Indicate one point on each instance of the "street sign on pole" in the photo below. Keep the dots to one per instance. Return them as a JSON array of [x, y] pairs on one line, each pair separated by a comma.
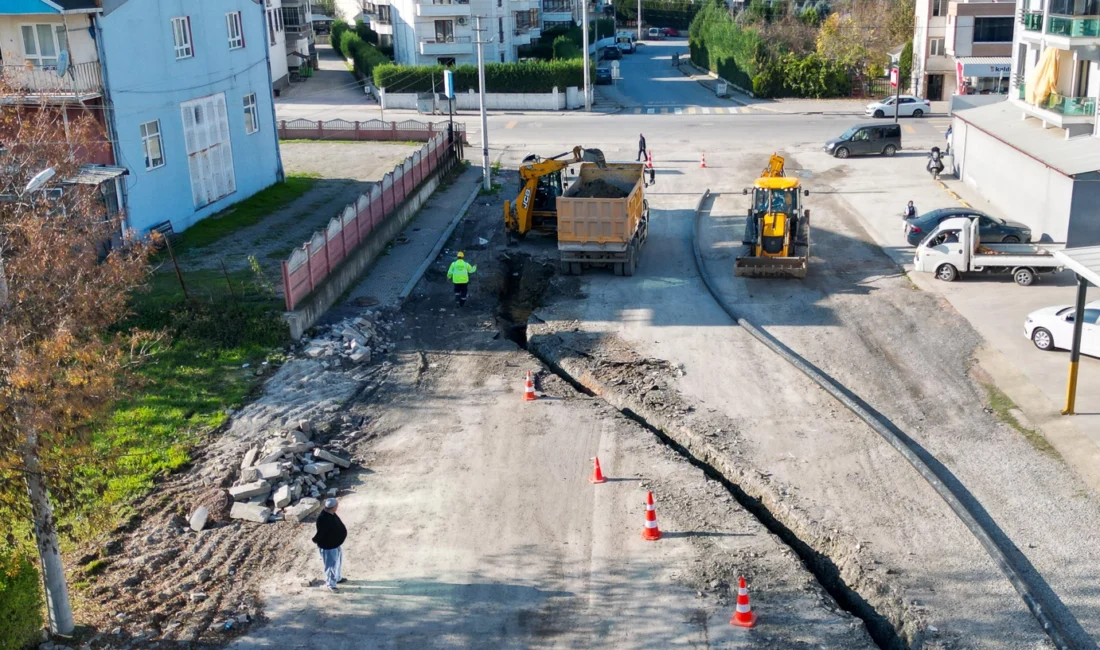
[[894, 77], [894, 81], [449, 84]]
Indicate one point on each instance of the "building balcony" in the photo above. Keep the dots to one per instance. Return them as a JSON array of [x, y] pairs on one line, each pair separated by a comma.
[[1059, 110], [83, 81], [1032, 21], [453, 45], [1073, 26], [442, 9]]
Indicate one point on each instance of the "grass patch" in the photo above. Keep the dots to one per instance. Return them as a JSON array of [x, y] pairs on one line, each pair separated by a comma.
[[96, 567], [493, 190], [248, 212], [1003, 406]]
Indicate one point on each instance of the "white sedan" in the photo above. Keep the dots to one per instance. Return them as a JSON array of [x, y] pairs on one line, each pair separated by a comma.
[[1051, 328], [908, 106]]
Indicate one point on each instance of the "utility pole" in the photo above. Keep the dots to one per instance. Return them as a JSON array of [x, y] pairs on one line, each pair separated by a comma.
[[639, 20], [584, 39], [486, 182]]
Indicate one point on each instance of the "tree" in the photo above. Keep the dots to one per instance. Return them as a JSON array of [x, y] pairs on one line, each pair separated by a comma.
[[68, 275], [564, 48], [326, 7]]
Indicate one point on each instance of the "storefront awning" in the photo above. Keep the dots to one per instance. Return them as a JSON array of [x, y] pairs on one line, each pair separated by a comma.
[[96, 174], [983, 66]]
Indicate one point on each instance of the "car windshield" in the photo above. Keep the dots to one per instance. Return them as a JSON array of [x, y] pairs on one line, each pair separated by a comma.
[[847, 135], [887, 101]]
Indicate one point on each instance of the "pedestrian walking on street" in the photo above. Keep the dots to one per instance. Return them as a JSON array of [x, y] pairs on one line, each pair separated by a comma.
[[641, 147], [330, 536], [910, 211], [459, 274]]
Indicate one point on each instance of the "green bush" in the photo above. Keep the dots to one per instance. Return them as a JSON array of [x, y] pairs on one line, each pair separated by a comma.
[[20, 601], [364, 32], [807, 76], [564, 49], [339, 28], [364, 57], [723, 47], [524, 77]]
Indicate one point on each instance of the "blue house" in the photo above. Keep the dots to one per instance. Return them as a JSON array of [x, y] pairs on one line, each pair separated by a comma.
[[189, 88], [181, 87]]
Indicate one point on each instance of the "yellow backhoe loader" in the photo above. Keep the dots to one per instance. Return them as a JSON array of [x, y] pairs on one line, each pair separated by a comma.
[[777, 233], [535, 208]]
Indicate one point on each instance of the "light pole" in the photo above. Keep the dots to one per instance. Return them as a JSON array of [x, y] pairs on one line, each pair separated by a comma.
[[639, 20], [487, 184], [584, 40]]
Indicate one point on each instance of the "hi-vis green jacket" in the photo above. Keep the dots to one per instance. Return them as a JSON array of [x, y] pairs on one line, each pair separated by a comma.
[[460, 271]]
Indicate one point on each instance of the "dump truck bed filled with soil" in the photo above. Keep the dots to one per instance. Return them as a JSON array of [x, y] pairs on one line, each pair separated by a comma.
[[602, 218]]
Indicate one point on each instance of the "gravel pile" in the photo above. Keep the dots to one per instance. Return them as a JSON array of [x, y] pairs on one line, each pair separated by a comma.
[[351, 342], [600, 189]]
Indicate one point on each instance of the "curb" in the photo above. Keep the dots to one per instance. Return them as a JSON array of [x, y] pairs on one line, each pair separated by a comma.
[[423, 268], [954, 195]]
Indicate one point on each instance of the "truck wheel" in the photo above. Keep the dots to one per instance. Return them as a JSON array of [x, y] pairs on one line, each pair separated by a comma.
[[1023, 277], [575, 268], [631, 262], [617, 268], [1042, 339], [947, 273]]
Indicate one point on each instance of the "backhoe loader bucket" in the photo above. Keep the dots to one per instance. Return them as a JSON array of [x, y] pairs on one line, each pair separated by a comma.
[[770, 267]]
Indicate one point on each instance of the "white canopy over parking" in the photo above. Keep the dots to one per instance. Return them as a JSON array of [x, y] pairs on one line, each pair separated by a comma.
[[1085, 262]]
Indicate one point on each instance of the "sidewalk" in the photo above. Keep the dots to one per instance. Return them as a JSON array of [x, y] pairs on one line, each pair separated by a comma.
[[993, 305], [383, 282]]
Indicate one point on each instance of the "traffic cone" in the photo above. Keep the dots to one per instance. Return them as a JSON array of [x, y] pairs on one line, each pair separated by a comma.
[[703, 162], [529, 389], [597, 475], [650, 532], [743, 616], [649, 159]]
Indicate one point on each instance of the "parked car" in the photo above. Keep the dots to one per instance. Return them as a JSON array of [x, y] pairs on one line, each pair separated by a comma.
[[991, 230], [866, 138], [669, 32], [908, 106], [603, 76], [611, 53], [625, 45], [655, 34], [1051, 328]]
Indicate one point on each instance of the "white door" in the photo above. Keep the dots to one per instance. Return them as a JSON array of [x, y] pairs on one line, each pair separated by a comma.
[[1090, 334], [209, 150]]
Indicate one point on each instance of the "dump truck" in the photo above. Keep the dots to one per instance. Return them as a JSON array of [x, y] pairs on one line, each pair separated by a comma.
[[777, 232], [603, 218], [954, 248]]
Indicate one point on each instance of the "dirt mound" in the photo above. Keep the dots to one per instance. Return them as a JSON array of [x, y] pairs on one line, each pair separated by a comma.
[[600, 189]]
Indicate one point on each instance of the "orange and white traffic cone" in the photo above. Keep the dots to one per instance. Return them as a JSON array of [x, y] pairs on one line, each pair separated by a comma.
[[650, 532], [649, 159], [597, 475], [529, 389], [703, 162], [743, 616]]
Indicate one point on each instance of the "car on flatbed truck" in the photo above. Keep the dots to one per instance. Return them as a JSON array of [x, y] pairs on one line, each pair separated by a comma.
[[955, 247]]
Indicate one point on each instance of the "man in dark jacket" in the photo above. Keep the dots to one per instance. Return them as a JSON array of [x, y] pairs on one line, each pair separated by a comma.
[[330, 536], [641, 147]]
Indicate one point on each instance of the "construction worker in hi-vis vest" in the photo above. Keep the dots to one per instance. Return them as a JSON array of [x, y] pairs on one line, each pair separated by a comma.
[[459, 274]]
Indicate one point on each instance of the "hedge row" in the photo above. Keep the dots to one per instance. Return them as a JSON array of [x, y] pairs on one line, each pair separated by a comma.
[[364, 56], [525, 77], [810, 76], [721, 46], [20, 601]]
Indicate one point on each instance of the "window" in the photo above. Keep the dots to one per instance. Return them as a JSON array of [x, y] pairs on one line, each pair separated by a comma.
[[939, 7], [43, 43], [446, 61], [181, 37], [935, 47], [209, 155], [251, 115], [993, 30], [235, 30], [500, 30], [444, 31], [151, 145], [271, 25], [384, 15]]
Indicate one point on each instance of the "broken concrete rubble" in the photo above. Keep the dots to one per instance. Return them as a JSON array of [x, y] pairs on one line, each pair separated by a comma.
[[303, 509], [318, 469], [332, 458], [249, 490], [250, 512], [199, 518]]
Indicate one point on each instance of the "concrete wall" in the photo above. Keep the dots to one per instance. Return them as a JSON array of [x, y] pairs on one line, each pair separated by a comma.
[[1084, 224], [277, 52], [147, 82], [314, 306], [82, 47], [963, 102], [555, 101], [1019, 186]]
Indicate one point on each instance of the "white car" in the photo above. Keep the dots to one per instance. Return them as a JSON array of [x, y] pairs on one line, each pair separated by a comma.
[[1051, 328], [908, 106]]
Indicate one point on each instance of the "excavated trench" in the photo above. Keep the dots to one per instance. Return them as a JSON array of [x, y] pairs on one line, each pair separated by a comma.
[[524, 283]]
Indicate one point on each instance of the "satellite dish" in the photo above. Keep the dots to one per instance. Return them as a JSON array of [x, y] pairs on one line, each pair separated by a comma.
[[40, 179], [62, 63]]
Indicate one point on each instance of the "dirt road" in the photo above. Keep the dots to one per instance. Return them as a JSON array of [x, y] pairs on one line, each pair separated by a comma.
[[831, 479], [474, 524]]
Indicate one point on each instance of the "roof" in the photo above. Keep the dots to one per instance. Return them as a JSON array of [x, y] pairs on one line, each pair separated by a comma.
[[781, 183], [75, 5], [1001, 120], [988, 60], [96, 174], [29, 7], [1085, 262]]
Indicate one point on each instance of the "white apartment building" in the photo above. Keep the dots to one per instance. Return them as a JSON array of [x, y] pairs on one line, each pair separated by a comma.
[[442, 31], [1036, 156], [961, 47]]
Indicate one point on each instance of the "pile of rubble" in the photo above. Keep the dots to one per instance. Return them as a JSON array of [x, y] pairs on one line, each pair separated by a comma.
[[287, 478], [352, 341]]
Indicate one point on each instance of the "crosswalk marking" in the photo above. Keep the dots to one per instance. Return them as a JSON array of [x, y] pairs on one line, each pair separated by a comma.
[[691, 111], [511, 125], [679, 111], [706, 111], [650, 111], [908, 128]]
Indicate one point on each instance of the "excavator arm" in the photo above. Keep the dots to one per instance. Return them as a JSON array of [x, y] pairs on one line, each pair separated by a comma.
[[774, 168], [517, 214]]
